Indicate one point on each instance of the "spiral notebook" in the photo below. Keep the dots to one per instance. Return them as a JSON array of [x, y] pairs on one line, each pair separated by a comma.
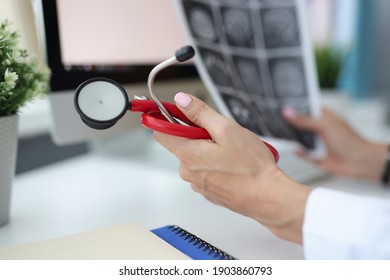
[[190, 245], [129, 241]]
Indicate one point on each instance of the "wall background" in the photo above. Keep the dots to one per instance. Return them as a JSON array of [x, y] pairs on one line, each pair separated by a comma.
[[20, 13]]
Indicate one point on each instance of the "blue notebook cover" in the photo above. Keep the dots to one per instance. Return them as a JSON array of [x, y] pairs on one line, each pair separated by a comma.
[[189, 244]]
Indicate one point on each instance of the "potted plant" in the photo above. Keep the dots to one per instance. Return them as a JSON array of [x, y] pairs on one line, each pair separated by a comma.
[[329, 63], [22, 79]]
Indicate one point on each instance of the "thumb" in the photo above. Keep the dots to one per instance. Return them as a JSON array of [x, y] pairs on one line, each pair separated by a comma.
[[301, 121], [198, 112]]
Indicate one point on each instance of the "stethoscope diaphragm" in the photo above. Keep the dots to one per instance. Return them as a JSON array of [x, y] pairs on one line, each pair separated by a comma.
[[101, 102]]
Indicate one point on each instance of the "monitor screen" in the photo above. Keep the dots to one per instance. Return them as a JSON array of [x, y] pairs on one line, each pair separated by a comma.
[[119, 39]]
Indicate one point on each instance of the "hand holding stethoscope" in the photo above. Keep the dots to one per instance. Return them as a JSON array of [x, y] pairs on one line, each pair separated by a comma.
[[101, 102]]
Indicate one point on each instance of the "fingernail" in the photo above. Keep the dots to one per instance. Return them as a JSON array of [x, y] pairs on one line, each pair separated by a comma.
[[289, 112], [182, 99]]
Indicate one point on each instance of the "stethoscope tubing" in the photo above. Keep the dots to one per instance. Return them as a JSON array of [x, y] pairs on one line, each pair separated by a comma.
[[154, 120]]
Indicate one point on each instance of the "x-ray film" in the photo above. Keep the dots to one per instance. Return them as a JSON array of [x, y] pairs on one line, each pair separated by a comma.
[[255, 58]]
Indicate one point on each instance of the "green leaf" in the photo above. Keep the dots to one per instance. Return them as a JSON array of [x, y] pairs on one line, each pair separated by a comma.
[[22, 79]]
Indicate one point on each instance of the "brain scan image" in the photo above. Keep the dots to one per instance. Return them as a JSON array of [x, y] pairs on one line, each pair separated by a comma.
[[217, 67], [288, 79], [237, 26], [280, 27], [250, 76], [202, 24]]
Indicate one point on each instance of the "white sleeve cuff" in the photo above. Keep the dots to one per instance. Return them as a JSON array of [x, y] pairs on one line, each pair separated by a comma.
[[340, 225]]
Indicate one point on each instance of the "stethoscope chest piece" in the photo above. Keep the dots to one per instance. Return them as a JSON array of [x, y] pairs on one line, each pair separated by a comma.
[[101, 102]]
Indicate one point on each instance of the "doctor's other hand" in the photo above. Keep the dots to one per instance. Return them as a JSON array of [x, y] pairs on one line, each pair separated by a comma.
[[236, 170], [348, 154]]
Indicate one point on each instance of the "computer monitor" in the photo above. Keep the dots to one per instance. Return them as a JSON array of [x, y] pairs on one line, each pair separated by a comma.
[[122, 40]]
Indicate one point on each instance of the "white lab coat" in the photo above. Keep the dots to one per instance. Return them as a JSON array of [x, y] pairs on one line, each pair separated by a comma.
[[340, 225]]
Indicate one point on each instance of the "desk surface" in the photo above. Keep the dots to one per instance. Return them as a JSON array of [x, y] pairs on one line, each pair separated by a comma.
[[140, 185], [98, 190]]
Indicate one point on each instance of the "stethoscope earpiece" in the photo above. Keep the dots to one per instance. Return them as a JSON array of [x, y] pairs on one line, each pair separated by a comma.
[[185, 53]]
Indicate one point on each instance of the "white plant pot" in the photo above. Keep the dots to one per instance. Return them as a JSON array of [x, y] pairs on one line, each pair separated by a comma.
[[8, 150]]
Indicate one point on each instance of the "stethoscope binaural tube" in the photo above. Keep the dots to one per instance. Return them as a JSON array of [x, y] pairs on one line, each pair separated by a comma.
[[181, 55]]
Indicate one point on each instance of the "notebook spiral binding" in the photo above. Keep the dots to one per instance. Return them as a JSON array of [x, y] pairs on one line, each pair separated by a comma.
[[200, 243]]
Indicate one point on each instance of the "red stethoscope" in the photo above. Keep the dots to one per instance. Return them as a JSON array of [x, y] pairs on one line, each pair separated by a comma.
[[101, 102]]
